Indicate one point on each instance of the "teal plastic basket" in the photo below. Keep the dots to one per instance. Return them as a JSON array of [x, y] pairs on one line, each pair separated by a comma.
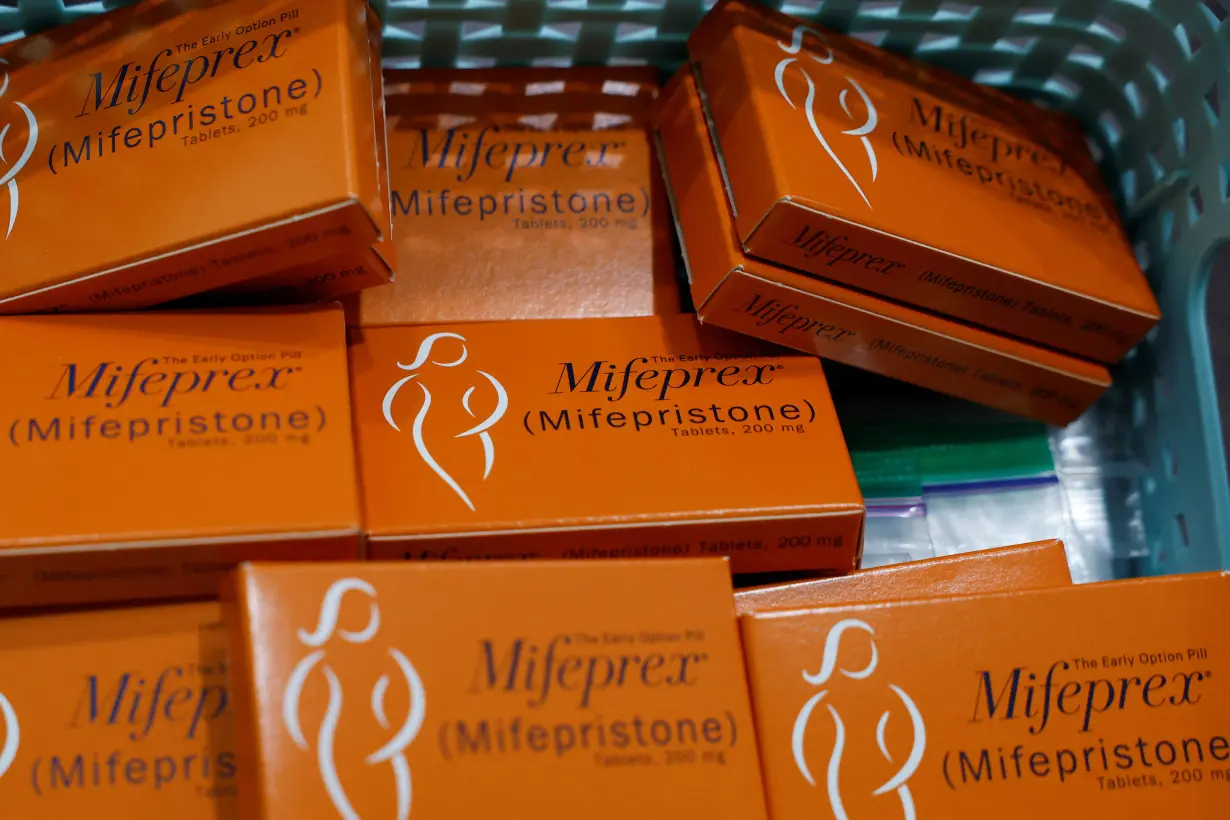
[[1150, 81]]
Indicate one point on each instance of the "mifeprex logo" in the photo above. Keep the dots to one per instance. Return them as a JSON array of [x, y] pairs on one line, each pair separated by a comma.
[[10, 734], [393, 752], [825, 57], [420, 374], [18, 162], [828, 665]]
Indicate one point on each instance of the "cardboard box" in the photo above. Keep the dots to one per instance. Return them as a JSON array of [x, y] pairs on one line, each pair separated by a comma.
[[577, 689], [523, 194], [761, 299], [318, 279], [145, 453], [117, 713], [850, 163], [1084, 701], [600, 438], [186, 145], [1039, 565]]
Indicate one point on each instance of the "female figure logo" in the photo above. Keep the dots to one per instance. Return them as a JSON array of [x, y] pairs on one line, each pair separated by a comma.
[[480, 429], [829, 665], [10, 730], [9, 178], [392, 752], [871, 120]]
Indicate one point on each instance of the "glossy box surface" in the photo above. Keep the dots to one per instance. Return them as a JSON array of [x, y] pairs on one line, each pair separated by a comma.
[[1027, 566], [852, 164], [168, 148], [117, 713], [1024, 704], [147, 452], [523, 194], [734, 290], [600, 438], [462, 690]]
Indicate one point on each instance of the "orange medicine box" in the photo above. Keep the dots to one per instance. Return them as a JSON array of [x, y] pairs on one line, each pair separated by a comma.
[[1032, 703], [850, 163], [1037, 565], [760, 299], [600, 438], [574, 689], [117, 713], [144, 453], [523, 194], [241, 137]]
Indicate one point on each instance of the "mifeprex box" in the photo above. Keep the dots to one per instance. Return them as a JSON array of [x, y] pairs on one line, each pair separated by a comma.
[[558, 689], [1022, 704], [122, 713], [859, 166], [734, 290], [600, 438], [176, 146], [1027, 566], [523, 194], [145, 453]]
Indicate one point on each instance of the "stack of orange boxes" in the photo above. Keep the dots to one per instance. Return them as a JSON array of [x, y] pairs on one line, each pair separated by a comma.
[[493, 504], [847, 202]]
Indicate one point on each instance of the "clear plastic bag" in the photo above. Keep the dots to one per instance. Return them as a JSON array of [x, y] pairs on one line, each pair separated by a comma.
[[943, 477], [896, 532], [1103, 478], [977, 515]]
